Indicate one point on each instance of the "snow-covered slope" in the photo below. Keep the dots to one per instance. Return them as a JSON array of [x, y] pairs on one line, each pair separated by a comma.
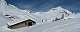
[[70, 25], [54, 13], [14, 12], [55, 20]]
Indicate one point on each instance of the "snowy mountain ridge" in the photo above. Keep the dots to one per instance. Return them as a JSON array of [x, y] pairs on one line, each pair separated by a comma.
[[53, 21], [53, 13], [39, 17], [16, 13]]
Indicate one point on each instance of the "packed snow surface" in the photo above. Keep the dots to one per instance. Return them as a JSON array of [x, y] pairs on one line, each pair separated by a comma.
[[55, 20]]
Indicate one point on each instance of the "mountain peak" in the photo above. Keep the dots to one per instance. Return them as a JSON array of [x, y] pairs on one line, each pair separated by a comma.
[[59, 9]]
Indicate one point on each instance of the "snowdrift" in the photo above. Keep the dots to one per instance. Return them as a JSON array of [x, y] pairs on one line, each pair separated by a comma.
[[55, 20]]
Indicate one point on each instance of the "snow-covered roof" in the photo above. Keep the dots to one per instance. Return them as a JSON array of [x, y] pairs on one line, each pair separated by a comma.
[[15, 22]]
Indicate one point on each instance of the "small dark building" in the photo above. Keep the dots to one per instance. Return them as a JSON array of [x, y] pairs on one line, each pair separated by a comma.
[[25, 23], [7, 15]]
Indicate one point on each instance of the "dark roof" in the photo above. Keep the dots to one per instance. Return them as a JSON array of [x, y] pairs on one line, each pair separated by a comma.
[[7, 15], [24, 21]]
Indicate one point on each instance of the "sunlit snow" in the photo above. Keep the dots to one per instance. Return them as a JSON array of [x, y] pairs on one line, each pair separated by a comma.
[[55, 20]]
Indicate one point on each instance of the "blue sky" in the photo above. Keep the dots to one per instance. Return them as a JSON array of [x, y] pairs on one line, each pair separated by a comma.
[[45, 5]]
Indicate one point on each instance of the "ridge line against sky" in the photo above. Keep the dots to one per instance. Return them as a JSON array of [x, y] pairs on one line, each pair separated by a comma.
[[45, 5]]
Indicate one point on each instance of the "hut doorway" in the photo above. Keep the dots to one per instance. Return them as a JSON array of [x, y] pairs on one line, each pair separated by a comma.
[[29, 23]]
